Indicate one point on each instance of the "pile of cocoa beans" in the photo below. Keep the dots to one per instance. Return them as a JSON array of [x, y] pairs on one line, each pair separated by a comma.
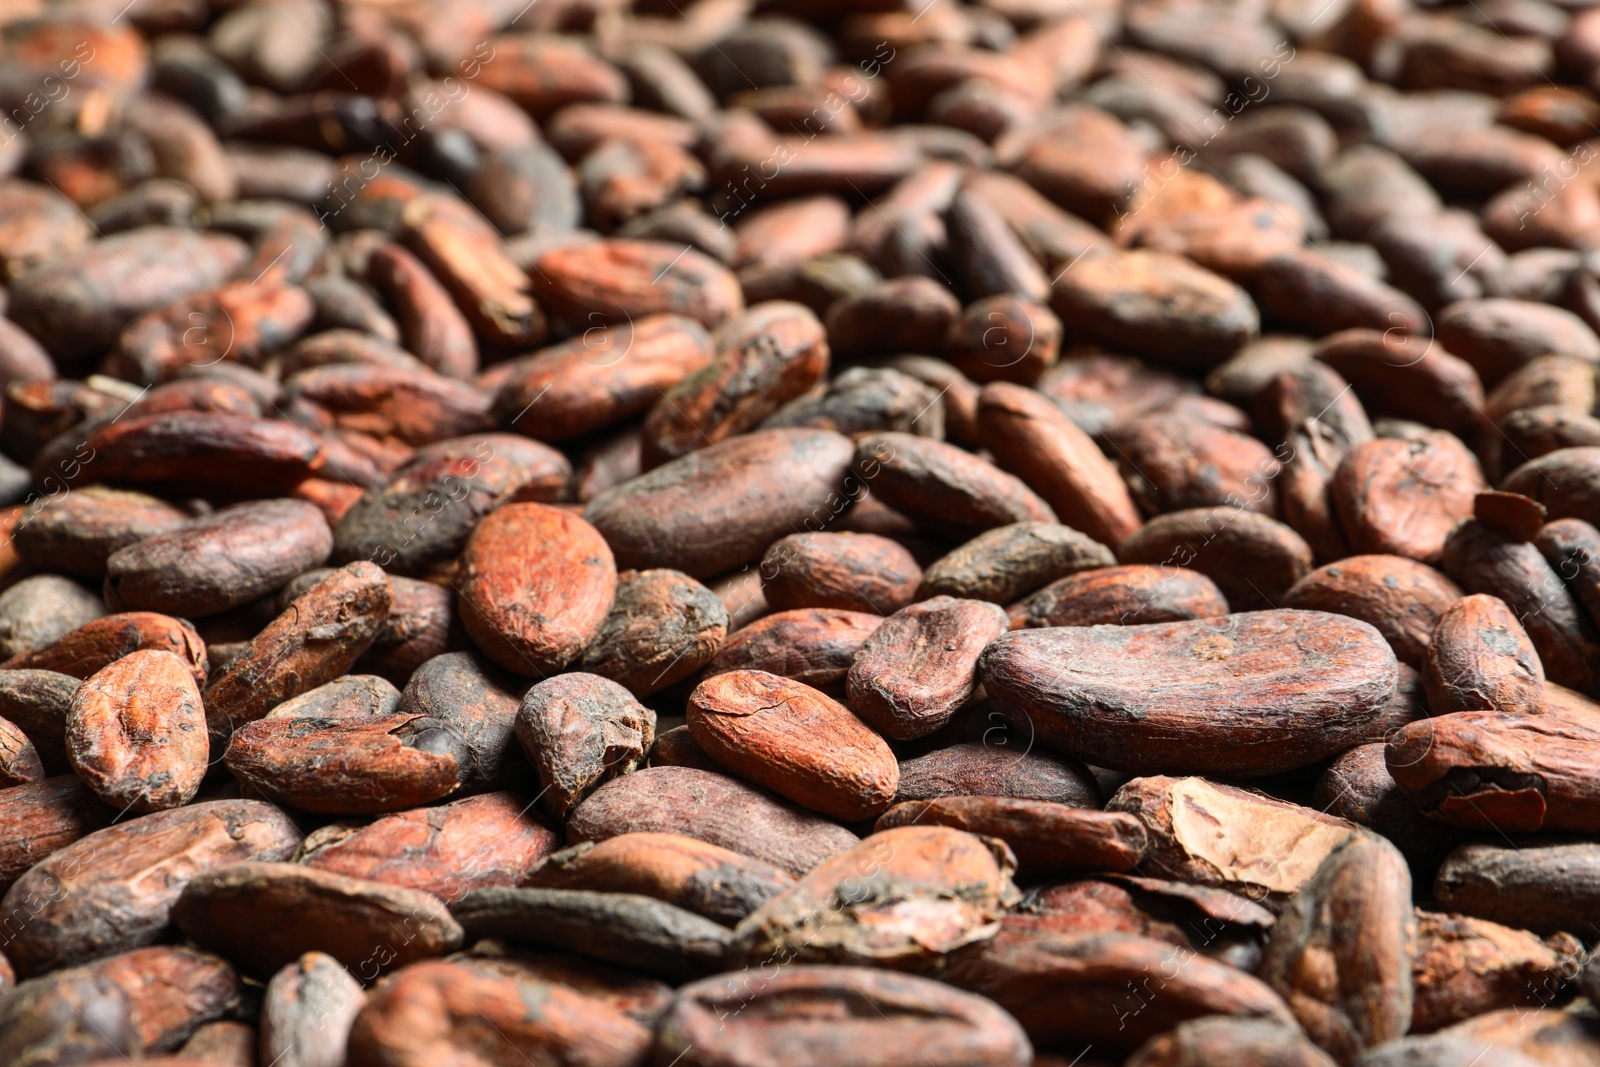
[[800, 533]]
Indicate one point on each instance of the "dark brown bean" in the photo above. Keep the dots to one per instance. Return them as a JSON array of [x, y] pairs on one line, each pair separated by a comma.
[[1254, 560], [1498, 336], [846, 571], [114, 889], [77, 532], [694, 875], [865, 400], [713, 510], [1242, 1041], [997, 770], [1044, 836], [264, 916], [1033, 438], [637, 932], [711, 807], [920, 666], [1572, 548], [36, 702], [1127, 299], [77, 303], [765, 357], [663, 627], [1406, 377], [1487, 770], [427, 509], [44, 817], [42, 609], [580, 731], [19, 760], [1544, 885], [1173, 462], [1355, 917], [943, 487], [353, 696], [464, 693], [1483, 560], [601, 377], [1066, 989], [219, 562], [1272, 690], [207, 450], [811, 645], [615, 281], [909, 314], [1005, 339], [1009, 561]]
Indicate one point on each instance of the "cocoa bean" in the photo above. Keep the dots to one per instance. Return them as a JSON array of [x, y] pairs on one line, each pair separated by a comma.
[[264, 916], [1254, 693], [580, 731]]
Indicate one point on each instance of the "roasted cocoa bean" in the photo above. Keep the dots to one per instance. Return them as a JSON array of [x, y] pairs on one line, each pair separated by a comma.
[[634, 931], [848, 571], [136, 733], [580, 731], [663, 627], [1480, 659], [921, 665], [715, 509], [1402, 598], [263, 916], [794, 740], [451, 1001], [921, 871], [219, 562], [811, 645], [1042, 835], [78, 532], [1123, 596], [1007, 562], [1254, 560], [850, 1015], [1402, 497], [93, 646], [446, 851], [1353, 919], [710, 807], [114, 889], [364, 766], [1271, 690], [321, 634], [1231, 838], [307, 1011]]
